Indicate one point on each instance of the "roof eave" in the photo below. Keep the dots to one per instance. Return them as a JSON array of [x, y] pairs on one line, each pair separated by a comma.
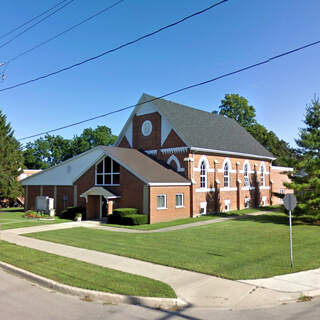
[[232, 153]]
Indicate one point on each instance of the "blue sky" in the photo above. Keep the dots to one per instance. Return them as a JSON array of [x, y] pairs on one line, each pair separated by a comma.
[[233, 35]]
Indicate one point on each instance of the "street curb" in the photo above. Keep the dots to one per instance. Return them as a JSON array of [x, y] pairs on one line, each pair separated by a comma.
[[91, 295]]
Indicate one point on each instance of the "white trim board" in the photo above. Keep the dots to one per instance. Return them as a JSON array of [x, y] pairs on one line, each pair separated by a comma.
[[230, 153]]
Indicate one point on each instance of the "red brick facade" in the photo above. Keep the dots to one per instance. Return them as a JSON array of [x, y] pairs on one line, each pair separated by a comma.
[[220, 190], [171, 212]]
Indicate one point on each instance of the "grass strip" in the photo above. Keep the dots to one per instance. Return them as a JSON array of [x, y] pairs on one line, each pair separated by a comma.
[[16, 214], [81, 274], [248, 248]]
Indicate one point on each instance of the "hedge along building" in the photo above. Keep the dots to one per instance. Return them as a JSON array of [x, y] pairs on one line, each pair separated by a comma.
[[170, 161]]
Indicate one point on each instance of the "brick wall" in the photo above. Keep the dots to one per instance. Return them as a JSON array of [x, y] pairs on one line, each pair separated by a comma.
[[171, 213], [84, 183], [279, 177], [64, 198], [153, 141], [33, 192], [235, 193], [124, 143], [130, 190]]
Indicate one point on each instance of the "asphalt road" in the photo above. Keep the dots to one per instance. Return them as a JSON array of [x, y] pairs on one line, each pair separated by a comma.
[[20, 299]]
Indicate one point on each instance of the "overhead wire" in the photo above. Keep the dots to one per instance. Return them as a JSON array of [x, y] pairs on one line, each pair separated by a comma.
[[30, 20], [179, 90], [148, 35], [35, 24], [65, 31]]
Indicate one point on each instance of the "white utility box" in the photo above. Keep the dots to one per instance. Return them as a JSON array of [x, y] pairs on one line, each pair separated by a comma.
[[45, 204]]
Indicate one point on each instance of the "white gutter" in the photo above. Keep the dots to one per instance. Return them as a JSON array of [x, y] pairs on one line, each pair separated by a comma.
[[155, 184], [231, 153]]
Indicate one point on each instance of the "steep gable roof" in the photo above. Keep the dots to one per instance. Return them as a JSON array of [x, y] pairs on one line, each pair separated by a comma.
[[205, 130]]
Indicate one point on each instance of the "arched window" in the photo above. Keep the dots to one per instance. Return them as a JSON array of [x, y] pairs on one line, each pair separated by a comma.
[[262, 179], [226, 177], [246, 175], [203, 175]]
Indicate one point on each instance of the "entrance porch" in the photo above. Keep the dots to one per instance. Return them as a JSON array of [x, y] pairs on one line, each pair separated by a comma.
[[99, 202]]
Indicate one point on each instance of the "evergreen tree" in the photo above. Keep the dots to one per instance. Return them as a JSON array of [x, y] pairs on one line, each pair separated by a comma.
[[306, 180], [11, 161]]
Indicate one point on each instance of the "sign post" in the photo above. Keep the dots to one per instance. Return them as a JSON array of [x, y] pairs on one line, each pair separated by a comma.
[[290, 202]]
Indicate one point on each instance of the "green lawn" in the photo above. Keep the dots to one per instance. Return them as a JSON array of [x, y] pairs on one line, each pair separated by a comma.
[[178, 222], [248, 248], [11, 218], [81, 274]]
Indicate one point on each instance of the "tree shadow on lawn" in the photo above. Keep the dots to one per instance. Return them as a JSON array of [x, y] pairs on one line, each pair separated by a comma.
[[280, 218], [9, 210]]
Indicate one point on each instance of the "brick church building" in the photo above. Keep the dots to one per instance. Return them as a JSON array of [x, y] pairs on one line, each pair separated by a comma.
[[170, 161]]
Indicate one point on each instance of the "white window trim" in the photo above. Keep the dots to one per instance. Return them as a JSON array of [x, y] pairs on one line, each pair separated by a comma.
[[264, 188], [180, 194], [203, 205], [165, 200], [263, 172], [176, 160], [228, 189], [205, 189], [226, 203], [224, 176], [206, 174], [264, 201], [246, 163], [247, 202], [247, 188], [105, 173]]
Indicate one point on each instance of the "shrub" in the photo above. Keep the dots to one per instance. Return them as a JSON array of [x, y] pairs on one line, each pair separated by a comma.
[[70, 213], [126, 211], [135, 219], [120, 213], [114, 219]]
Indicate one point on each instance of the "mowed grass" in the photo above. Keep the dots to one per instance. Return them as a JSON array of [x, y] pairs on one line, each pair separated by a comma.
[[178, 222], [81, 274], [11, 218], [248, 248]]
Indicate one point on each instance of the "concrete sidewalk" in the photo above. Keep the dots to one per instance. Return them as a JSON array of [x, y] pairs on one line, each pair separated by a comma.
[[195, 288], [99, 225]]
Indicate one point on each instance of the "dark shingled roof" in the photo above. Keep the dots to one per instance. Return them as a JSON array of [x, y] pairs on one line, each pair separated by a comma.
[[203, 129], [143, 166]]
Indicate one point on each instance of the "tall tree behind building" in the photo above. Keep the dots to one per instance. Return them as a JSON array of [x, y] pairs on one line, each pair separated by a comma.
[[237, 107], [11, 161]]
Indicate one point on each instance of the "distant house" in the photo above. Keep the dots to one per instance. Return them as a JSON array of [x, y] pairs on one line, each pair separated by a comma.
[[170, 161]]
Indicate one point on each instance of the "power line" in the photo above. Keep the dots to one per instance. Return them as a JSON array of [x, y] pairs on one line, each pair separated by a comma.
[[32, 19], [65, 31], [35, 24], [116, 48], [180, 90]]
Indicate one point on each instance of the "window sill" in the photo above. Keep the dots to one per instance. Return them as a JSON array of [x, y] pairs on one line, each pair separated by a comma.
[[179, 207], [107, 185], [162, 208]]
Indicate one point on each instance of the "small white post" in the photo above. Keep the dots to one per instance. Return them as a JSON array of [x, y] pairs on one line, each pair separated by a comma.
[[290, 235]]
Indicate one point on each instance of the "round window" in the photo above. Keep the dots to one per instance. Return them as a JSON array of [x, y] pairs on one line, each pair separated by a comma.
[[146, 128]]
